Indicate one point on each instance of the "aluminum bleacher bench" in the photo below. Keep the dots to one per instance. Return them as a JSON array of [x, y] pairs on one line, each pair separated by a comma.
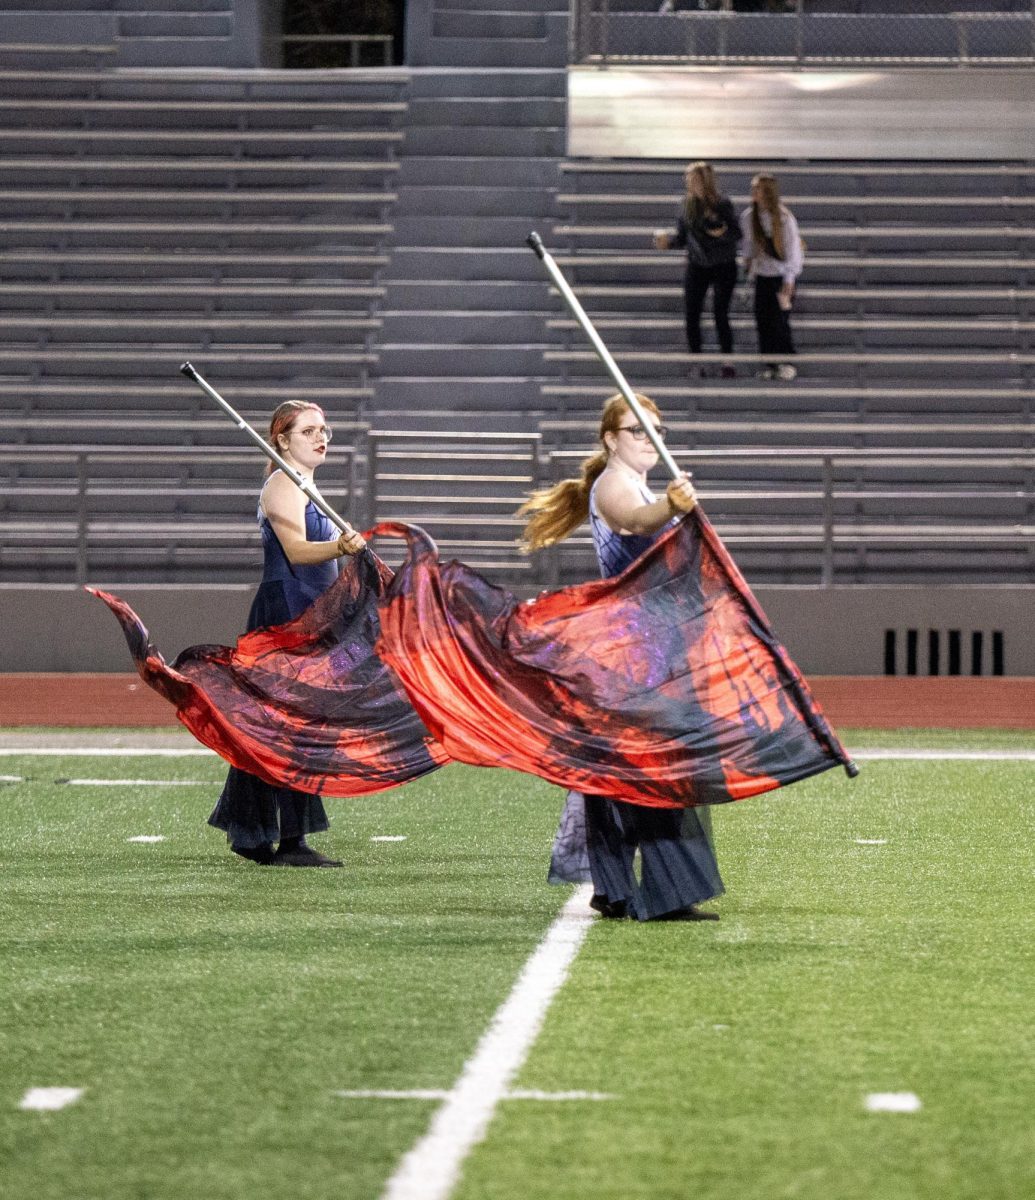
[[813, 233], [179, 166], [219, 196], [799, 203], [199, 138]]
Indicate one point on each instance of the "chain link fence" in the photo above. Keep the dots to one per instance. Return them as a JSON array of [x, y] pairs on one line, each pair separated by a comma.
[[805, 32]]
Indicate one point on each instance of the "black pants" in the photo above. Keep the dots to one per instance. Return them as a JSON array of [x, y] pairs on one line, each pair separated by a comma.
[[722, 279], [773, 322]]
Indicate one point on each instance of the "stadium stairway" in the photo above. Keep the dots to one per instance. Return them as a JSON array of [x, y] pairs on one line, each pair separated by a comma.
[[464, 322]]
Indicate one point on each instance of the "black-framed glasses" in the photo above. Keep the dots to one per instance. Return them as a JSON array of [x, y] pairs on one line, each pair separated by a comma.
[[316, 433], [640, 434]]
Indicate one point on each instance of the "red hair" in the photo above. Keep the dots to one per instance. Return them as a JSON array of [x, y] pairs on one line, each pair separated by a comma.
[[283, 421]]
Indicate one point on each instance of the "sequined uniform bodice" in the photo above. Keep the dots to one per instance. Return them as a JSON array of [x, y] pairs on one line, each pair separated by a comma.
[[615, 551]]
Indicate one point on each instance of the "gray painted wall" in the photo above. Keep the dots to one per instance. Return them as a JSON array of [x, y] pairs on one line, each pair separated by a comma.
[[829, 631]]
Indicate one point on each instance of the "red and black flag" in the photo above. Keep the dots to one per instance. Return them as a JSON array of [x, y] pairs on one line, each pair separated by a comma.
[[308, 704], [664, 686]]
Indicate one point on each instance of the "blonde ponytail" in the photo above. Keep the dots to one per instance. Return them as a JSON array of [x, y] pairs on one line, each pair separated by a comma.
[[557, 510]]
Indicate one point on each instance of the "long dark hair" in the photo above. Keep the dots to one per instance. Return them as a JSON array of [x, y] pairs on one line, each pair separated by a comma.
[[770, 190]]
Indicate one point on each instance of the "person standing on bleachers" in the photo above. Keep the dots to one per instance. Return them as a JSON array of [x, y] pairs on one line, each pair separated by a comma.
[[300, 551], [774, 257], [710, 232]]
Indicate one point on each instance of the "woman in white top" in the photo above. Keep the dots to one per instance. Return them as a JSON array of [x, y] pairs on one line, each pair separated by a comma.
[[772, 251]]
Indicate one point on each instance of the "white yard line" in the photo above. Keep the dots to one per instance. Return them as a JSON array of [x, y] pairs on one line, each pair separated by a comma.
[[442, 1094], [897, 1102], [107, 752], [138, 782], [49, 1099], [431, 1168], [939, 755], [203, 752]]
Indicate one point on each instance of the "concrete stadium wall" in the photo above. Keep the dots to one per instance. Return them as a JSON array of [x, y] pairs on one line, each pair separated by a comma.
[[829, 631]]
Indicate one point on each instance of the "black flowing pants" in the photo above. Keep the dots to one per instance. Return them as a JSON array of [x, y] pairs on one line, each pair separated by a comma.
[[773, 322], [722, 279]]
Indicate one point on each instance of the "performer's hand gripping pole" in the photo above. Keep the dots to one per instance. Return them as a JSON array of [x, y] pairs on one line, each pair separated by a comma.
[[305, 487], [579, 313]]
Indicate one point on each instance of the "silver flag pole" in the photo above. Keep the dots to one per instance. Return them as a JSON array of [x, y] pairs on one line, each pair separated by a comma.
[[579, 313], [306, 488]]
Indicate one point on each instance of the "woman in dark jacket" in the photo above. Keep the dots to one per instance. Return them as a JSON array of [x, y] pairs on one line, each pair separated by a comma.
[[709, 230]]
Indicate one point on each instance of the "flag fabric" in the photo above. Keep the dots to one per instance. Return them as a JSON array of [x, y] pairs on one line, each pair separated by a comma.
[[663, 686], [307, 705]]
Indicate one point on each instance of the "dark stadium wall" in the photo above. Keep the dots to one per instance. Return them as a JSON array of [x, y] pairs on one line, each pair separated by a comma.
[[829, 631]]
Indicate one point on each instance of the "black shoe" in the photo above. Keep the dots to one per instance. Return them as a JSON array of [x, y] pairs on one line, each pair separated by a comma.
[[688, 914], [263, 855], [303, 856], [613, 910], [728, 371]]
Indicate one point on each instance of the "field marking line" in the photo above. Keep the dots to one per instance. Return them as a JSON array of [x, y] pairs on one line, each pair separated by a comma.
[[136, 782], [49, 1099], [897, 1102], [106, 752], [390, 837], [147, 837], [430, 1169], [876, 754], [949, 755], [443, 1094]]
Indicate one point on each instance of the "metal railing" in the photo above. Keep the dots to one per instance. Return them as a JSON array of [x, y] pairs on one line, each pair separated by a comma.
[[79, 491], [801, 33], [298, 47], [820, 504], [829, 488]]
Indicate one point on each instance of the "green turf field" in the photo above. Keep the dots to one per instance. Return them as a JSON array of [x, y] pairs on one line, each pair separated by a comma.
[[211, 1009]]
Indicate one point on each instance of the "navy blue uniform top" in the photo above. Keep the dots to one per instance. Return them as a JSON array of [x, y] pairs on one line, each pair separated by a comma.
[[615, 551], [287, 589]]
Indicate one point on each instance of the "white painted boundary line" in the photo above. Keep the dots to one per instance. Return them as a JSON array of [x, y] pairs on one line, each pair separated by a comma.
[[204, 752], [442, 1094], [136, 782], [431, 1168], [49, 1099], [897, 1102], [949, 755], [106, 752]]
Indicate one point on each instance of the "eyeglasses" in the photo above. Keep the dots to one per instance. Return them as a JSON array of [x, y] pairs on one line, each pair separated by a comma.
[[316, 433], [640, 434]]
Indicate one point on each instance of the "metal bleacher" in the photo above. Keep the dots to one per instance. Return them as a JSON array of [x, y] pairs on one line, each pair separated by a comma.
[[236, 220], [914, 326], [357, 238]]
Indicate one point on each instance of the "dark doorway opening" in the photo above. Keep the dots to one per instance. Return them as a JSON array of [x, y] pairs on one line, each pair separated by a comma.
[[343, 33]]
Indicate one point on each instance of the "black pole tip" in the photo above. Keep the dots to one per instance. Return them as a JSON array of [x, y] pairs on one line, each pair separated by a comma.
[[851, 770], [188, 370], [536, 243]]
